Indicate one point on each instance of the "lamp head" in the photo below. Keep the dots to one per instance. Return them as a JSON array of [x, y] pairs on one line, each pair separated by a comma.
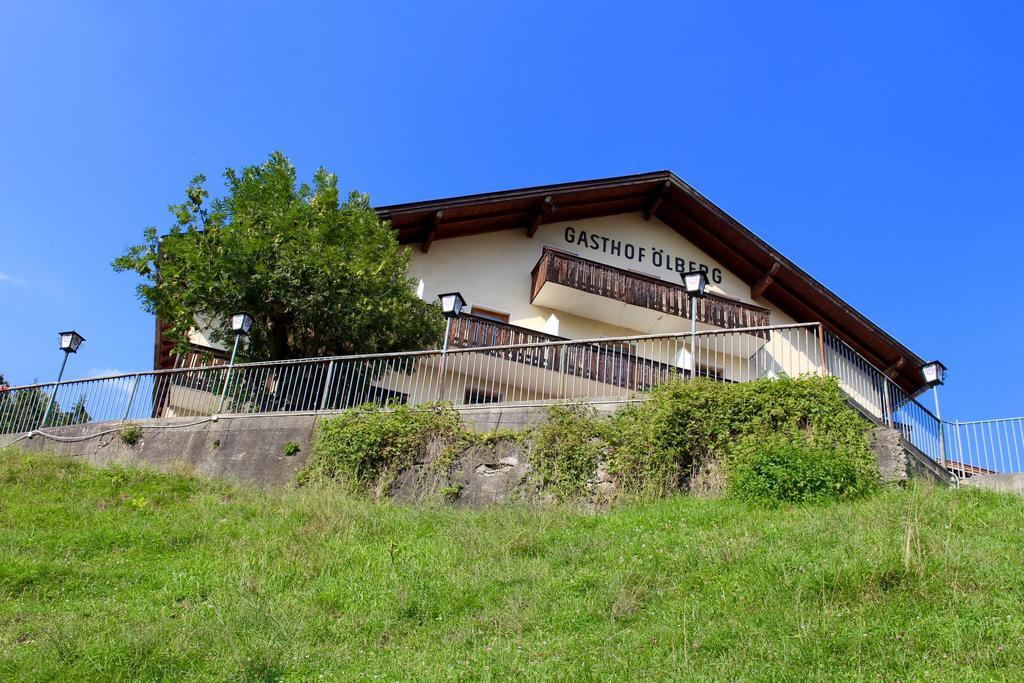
[[452, 304], [241, 323], [934, 373], [70, 341], [695, 282]]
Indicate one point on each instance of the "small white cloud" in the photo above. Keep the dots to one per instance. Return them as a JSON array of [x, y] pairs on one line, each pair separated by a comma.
[[120, 386], [103, 372], [10, 279]]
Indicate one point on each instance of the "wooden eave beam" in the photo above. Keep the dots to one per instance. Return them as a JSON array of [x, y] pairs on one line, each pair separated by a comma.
[[659, 197], [431, 232], [710, 242], [757, 291], [893, 371], [546, 207]]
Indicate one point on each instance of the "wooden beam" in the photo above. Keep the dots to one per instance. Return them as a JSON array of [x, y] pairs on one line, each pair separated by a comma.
[[546, 207], [766, 280], [708, 241], [894, 370], [431, 232], [659, 197]]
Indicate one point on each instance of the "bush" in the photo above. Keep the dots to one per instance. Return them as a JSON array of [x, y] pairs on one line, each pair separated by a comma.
[[779, 440], [658, 444], [130, 435], [450, 493], [365, 448], [688, 429], [566, 449], [772, 469]]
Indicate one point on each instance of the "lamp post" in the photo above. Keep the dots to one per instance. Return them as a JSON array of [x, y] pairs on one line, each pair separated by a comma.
[[695, 283], [452, 304], [69, 343], [241, 323], [934, 374]]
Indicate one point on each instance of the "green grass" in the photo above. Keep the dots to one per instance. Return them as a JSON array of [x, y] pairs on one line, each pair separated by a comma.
[[123, 574]]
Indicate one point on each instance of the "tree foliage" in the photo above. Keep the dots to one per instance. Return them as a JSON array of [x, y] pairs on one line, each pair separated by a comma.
[[319, 276]]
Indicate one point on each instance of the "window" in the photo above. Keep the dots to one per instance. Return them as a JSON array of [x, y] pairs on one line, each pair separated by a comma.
[[486, 334], [478, 395], [481, 312]]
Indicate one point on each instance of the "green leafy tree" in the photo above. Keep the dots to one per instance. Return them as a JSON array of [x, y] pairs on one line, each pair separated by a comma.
[[319, 276]]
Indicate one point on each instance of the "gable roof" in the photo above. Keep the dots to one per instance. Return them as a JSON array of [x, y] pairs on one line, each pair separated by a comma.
[[663, 195]]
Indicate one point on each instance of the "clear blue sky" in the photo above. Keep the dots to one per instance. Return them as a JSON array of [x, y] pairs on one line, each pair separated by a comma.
[[878, 145]]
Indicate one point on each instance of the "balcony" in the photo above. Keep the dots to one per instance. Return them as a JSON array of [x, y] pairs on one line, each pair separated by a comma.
[[623, 298]]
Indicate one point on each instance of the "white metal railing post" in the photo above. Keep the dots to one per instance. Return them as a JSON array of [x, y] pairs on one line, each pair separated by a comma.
[[444, 359], [959, 448], [53, 396], [821, 349], [562, 360], [327, 385], [227, 376], [131, 397], [942, 437], [887, 419]]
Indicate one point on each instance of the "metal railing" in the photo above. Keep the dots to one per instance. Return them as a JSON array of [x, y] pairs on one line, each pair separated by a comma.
[[985, 446], [537, 370], [601, 369], [883, 399]]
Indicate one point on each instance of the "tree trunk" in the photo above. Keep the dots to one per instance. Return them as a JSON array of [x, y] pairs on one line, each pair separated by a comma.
[[277, 338]]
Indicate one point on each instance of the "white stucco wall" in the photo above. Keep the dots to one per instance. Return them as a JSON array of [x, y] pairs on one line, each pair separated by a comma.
[[493, 270]]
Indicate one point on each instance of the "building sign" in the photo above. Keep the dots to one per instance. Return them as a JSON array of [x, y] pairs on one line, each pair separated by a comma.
[[655, 256]]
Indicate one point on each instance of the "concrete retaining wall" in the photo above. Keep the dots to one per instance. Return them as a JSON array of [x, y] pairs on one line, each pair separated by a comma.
[[1005, 483], [243, 448], [252, 450]]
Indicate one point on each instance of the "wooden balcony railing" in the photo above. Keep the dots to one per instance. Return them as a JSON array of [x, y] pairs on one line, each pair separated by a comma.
[[560, 268], [607, 364]]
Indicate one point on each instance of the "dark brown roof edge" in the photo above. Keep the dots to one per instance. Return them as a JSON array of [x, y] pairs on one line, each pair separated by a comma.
[[536, 191]]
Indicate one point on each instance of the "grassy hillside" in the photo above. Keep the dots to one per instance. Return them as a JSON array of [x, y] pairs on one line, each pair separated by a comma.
[[118, 574]]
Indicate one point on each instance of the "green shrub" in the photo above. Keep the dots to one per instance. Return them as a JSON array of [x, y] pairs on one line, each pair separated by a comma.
[[657, 444], [365, 448], [793, 468], [450, 493], [566, 449], [130, 435], [654, 447], [291, 448]]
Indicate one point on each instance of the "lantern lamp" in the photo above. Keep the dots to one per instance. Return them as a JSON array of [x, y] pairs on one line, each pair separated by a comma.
[[452, 304], [695, 282], [70, 341], [241, 323], [934, 373]]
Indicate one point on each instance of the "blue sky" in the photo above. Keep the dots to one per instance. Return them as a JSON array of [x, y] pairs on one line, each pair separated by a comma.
[[878, 145]]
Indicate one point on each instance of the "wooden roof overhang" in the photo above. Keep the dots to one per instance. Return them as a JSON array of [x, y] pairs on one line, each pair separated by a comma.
[[663, 195]]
